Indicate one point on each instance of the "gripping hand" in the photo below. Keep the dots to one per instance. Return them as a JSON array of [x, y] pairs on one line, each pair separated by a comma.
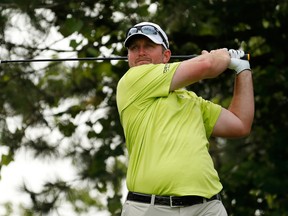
[[236, 63]]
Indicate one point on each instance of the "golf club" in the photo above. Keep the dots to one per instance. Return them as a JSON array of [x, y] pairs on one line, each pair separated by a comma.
[[183, 57]]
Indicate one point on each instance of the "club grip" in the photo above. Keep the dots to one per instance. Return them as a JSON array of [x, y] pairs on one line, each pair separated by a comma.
[[246, 57]]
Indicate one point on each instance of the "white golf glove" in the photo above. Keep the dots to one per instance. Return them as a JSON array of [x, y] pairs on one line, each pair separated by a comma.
[[236, 63]]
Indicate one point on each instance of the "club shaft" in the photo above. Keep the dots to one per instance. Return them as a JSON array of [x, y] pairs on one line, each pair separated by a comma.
[[179, 57], [87, 59]]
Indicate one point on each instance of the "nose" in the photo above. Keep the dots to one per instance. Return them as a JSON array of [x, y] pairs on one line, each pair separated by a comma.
[[142, 50]]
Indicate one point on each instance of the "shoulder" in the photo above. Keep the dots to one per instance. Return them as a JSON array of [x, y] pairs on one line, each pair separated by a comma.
[[164, 68], [148, 72]]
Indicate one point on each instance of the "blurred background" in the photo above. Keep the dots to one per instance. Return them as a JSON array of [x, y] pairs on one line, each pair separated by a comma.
[[62, 149]]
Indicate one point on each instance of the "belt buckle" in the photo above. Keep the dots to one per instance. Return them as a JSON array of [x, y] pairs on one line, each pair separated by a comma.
[[172, 205]]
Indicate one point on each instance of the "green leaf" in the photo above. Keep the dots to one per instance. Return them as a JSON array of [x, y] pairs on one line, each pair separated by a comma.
[[70, 26], [6, 159]]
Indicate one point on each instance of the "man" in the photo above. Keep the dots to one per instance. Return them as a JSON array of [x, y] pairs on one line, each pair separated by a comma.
[[167, 128]]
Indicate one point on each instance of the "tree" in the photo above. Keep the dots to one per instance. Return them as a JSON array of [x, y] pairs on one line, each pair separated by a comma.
[[51, 100]]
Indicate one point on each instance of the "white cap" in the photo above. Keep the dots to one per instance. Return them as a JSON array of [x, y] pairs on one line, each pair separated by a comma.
[[156, 38]]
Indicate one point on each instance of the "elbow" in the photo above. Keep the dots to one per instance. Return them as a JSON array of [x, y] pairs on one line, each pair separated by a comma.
[[245, 131], [245, 134], [247, 126], [240, 132]]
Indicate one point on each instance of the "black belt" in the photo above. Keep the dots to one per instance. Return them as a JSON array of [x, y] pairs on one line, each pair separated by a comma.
[[172, 201]]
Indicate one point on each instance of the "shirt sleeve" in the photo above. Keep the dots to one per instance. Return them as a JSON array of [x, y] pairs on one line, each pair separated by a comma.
[[210, 113]]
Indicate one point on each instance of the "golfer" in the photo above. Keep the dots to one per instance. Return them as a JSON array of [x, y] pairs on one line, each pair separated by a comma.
[[167, 128]]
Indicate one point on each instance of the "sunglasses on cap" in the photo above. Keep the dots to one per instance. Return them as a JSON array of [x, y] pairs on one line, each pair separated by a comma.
[[147, 30]]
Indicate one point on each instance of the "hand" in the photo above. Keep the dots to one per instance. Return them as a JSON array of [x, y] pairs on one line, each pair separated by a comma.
[[221, 56], [236, 63]]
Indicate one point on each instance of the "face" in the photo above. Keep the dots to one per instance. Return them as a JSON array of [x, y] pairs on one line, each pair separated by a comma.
[[143, 51]]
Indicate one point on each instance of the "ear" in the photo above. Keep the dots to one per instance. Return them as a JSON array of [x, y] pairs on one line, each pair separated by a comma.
[[166, 55]]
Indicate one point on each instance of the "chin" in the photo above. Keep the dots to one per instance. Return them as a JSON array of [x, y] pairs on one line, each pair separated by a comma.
[[142, 63]]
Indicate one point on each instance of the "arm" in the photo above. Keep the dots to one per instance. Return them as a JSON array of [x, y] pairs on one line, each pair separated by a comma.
[[237, 120], [205, 66]]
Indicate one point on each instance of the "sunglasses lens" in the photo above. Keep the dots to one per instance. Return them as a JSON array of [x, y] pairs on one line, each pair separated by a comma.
[[149, 30], [132, 31]]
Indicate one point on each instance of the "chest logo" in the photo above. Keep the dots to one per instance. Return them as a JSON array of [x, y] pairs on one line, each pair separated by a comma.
[[166, 68]]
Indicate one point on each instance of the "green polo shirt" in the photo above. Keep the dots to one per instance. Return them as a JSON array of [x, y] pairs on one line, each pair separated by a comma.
[[166, 134]]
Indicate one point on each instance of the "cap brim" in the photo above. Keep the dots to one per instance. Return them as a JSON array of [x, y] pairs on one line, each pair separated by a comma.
[[154, 38]]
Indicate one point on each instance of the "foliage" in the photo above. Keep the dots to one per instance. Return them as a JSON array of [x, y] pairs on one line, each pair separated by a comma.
[[70, 111]]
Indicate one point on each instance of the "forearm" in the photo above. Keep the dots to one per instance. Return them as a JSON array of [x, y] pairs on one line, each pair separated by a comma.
[[242, 104], [205, 66]]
